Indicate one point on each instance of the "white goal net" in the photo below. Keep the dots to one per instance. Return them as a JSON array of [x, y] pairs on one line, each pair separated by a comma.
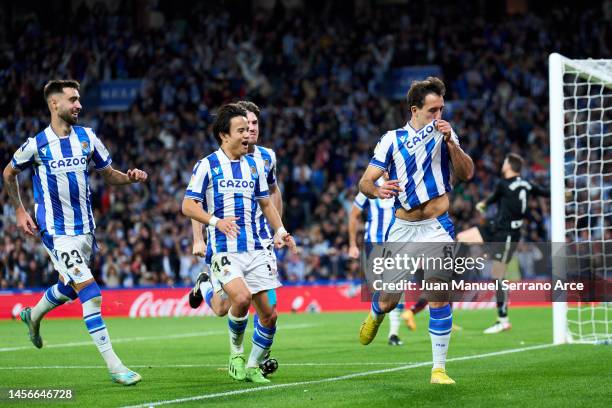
[[581, 187]]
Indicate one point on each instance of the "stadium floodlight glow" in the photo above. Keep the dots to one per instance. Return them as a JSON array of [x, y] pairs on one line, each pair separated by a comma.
[[580, 97]]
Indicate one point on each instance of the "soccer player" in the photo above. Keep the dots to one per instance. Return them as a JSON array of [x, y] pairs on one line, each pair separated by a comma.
[[59, 157], [418, 158], [380, 215], [224, 192], [207, 286], [512, 196]]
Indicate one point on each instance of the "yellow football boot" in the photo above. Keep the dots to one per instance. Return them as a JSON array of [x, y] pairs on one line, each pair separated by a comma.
[[439, 376], [368, 330]]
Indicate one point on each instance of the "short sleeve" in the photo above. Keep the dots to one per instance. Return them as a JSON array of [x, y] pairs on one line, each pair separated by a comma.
[[24, 156], [100, 154], [261, 184], [383, 153], [360, 200], [200, 180]]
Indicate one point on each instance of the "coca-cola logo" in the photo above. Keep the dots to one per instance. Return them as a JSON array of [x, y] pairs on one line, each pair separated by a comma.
[[145, 305]]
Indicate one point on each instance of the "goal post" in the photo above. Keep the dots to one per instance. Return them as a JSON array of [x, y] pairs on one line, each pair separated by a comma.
[[580, 97]]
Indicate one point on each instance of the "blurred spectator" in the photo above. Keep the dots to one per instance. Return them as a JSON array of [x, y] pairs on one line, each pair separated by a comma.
[[316, 74]]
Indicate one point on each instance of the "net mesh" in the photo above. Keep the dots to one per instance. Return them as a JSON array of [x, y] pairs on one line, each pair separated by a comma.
[[587, 102]]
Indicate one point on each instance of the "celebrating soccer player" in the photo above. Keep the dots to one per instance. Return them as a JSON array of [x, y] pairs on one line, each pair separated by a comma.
[[224, 192], [511, 195], [207, 287], [418, 158], [59, 157]]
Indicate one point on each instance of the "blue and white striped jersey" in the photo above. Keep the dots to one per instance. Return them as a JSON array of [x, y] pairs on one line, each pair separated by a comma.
[[229, 188], [269, 160], [379, 217], [62, 202], [419, 159]]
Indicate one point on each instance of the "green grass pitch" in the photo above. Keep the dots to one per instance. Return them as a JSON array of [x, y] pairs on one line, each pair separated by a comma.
[[321, 362]]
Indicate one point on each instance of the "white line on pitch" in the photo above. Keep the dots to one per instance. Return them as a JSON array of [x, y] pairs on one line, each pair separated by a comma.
[[333, 379], [221, 365], [145, 338]]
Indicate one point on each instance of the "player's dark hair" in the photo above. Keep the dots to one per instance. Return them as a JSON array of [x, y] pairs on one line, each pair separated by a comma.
[[515, 161], [224, 118], [249, 106], [57, 86], [420, 89]]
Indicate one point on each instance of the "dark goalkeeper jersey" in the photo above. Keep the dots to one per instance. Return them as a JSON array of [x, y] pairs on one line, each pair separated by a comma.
[[512, 198]]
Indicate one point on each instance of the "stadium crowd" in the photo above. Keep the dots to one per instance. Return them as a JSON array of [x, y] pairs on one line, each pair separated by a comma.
[[317, 74]]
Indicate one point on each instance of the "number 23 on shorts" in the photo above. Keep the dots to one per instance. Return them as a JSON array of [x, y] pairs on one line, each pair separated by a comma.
[[70, 259]]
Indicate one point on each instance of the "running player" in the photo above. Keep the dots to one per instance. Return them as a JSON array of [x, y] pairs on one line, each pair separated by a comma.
[[207, 287], [418, 158], [59, 157], [226, 188]]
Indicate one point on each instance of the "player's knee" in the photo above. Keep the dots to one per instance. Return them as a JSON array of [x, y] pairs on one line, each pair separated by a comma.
[[91, 293], [221, 308], [386, 307], [242, 300], [268, 320]]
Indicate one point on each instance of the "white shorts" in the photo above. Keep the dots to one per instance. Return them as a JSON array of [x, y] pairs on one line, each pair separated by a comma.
[[433, 230], [71, 255], [407, 236], [216, 285], [257, 268]]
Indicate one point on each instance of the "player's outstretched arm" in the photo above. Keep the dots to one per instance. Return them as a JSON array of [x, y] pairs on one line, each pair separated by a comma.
[[11, 186], [193, 209], [367, 186], [115, 177], [199, 244], [281, 236], [352, 231]]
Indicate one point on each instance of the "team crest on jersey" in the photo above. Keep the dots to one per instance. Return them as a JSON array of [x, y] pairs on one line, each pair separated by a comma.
[[267, 163], [84, 145], [253, 171]]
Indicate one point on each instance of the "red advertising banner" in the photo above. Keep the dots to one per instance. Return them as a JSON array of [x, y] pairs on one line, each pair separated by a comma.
[[169, 302]]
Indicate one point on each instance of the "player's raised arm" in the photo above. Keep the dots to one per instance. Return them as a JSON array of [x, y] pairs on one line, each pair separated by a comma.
[[493, 198], [463, 166]]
